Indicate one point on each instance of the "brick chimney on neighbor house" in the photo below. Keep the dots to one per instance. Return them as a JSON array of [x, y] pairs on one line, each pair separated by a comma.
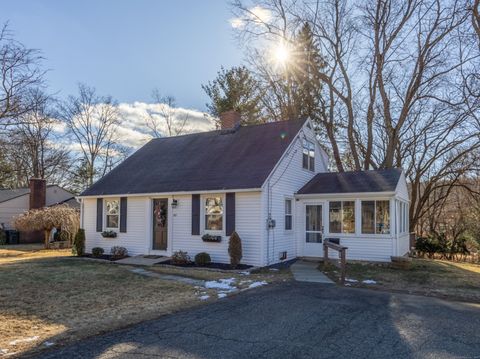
[[229, 120], [38, 193]]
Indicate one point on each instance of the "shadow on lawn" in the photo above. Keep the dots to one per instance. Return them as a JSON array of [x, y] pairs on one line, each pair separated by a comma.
[[298, 320]]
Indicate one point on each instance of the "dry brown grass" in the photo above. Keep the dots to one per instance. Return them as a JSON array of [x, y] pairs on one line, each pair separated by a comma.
[[13, 253], [444, 279], [59, 299]]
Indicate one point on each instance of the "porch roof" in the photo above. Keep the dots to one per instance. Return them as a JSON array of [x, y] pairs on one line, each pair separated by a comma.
[[384, 180]]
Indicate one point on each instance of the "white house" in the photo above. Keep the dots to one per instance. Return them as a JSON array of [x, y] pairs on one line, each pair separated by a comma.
[[268, 182]]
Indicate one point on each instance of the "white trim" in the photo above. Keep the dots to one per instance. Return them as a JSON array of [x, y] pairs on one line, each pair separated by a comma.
[[166, 194], [345, 195]]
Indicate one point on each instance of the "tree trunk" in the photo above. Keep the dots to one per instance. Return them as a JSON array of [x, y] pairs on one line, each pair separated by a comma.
[[47, 238]]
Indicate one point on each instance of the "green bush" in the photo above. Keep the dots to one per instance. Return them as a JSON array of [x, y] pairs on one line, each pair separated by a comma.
[[180, 257], [235, 249], [97, 251], [202, 259], [78, 248], [3, 237], [118, 252]]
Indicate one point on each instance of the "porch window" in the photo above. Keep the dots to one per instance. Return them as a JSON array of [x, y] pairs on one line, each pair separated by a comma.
[[112, 213], [342, 217], [288, 214], [308, 158], [214, 213], [376, 217]]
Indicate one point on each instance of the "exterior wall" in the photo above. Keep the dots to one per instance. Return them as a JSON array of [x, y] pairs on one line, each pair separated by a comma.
[[247, 224], [18, 205], [135, 240], [138, 238], [12, 208], [367, 247], [286, 179]]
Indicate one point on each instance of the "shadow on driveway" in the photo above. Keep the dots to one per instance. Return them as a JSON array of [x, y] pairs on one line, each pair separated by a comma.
[[298, 320]]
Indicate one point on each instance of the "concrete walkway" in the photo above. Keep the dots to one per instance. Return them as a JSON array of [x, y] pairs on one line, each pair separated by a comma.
[[304, 271], [143, 260], [175, 278]]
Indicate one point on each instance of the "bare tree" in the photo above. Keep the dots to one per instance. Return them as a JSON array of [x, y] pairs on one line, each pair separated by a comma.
[[34, 145], [93, 124], [166, 119], [395, 80], [19, 71], [476, 17]]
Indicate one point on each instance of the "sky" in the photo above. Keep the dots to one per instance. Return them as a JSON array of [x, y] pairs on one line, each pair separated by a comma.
[[126, 48]]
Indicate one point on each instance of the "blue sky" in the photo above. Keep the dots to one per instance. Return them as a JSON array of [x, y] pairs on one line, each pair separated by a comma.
[[127, 48]]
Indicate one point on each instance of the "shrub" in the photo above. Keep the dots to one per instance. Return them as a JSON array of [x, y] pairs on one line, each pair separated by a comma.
[[202, 259], [180, 257], [78, 248], [97, 251], [3, 237], [118, 252], [235, 249]]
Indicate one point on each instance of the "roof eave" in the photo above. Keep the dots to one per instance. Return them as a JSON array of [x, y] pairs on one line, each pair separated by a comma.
[[346, 194]]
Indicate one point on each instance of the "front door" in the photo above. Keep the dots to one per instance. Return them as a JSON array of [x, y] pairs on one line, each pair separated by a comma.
[[313, 230], [160, 224]]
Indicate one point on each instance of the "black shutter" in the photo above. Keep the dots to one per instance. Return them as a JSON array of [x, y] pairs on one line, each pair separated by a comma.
[[195, 214], [123, 214], [230, 212], [99, 214]]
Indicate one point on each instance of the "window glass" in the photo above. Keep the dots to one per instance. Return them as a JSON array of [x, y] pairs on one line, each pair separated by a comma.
[[348, 217], [382, 217], [214, 214], [112, 212], [368, 217], [335, 217], [314, 226], [288, 214], [308, 155]]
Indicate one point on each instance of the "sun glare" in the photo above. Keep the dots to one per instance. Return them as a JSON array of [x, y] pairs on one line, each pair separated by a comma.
[[281, 54]]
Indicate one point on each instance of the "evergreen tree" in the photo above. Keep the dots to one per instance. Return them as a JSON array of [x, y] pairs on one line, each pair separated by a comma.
[[234, 89]]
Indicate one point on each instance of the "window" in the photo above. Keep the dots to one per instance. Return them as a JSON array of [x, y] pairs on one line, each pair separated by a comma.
[[308, 158], [288, 214], [112, 213], [342, 217], [214, 214], [376, 217]]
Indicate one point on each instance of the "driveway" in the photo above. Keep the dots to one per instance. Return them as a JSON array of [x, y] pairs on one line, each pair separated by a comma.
[[299, 320]]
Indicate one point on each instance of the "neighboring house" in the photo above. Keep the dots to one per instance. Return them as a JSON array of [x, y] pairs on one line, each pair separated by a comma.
[[268, 182], [16, 201]]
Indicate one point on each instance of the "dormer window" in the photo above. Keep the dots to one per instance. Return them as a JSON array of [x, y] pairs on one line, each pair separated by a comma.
[[308, 158]]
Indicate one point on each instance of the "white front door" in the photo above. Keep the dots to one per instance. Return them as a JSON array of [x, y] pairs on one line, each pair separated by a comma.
[[313, 236]]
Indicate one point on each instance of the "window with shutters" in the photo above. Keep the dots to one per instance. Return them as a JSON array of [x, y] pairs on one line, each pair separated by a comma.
[[112, 213], [213, 213]]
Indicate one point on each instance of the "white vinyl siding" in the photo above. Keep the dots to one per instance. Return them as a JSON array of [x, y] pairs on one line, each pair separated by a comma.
[[285, 181], [247, 224], [136, 239]]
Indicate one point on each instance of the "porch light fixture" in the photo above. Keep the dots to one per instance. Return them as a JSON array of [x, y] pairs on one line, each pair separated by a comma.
[[174, 203]]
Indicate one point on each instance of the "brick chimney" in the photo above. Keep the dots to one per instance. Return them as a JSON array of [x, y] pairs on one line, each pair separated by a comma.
[[38, 193], [229, 119]]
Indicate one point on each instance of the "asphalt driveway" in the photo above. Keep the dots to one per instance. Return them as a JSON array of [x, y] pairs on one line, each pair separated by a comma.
[[299, 320]]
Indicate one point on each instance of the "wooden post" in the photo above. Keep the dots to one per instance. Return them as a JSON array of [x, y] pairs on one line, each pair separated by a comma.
[[325, 254], [343, 265]]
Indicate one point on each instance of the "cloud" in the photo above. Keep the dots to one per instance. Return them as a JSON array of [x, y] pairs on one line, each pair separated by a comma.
[[257, 14]]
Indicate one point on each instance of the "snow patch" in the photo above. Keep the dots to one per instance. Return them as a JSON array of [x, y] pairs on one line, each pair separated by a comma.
[[351, 280], [369, 281], [274, 269], [222, 295], [245, 273], [48, 344], [204, 297], [223, 284], [24, 340], [257, 284]]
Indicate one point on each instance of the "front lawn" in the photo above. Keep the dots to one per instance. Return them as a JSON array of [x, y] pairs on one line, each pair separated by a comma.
[[453, 280], [52, 300]]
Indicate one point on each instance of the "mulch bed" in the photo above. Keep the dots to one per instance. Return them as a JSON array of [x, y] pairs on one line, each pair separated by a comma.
[[106, 257], [222, 266]]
